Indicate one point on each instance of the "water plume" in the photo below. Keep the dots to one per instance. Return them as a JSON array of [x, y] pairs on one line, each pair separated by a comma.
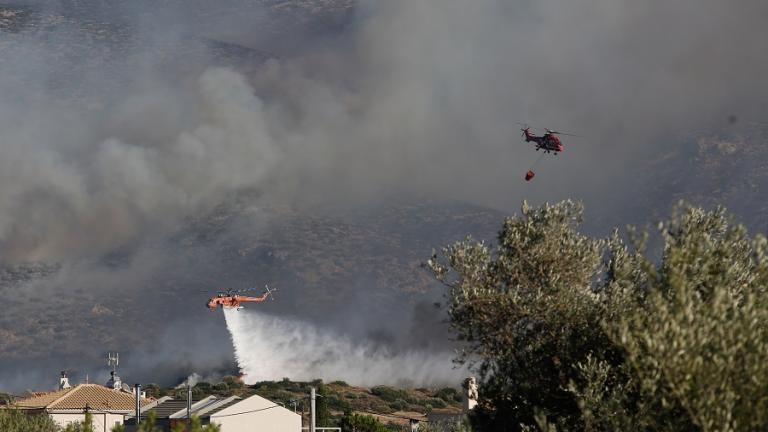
[[271, 348]]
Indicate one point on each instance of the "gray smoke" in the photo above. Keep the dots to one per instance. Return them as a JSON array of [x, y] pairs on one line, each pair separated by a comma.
[[419, 96], [60, 201], [121, 122]]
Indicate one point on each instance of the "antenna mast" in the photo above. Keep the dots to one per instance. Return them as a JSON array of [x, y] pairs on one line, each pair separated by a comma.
[[112, 360]]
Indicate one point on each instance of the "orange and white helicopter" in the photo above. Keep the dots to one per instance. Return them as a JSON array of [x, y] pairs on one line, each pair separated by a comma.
[[231, 299]]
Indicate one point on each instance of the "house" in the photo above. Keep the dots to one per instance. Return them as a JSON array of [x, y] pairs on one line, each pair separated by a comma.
[[232, 414], [256, 413], [69, 404]]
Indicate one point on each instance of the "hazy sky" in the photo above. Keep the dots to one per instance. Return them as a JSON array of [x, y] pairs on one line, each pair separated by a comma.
[[119, 121]]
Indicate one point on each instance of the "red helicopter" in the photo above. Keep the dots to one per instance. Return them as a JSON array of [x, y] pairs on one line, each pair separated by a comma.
[[230, 299], [549, 142]]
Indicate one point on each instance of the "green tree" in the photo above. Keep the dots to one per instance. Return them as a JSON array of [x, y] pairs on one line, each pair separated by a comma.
[[527, 313], [221, 389], [149, 425], [445, 426], [201, 390], [85, 426], [15, 420], [352, 422], [448, 394], [152, 390], [323, 416], [572, 333], [196, 426], [694, 325]]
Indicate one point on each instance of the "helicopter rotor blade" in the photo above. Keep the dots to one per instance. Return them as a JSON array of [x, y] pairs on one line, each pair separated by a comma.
[[247, 289], [270, 291], [527, 126], [563, 133], [547, 130]]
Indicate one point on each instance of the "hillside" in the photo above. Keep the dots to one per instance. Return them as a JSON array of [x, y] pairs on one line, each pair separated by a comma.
[[388, 404], [371, 258], [727, 167]]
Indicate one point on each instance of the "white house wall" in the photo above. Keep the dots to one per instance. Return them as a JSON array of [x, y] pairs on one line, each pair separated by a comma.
[[258, 414], [102, 422]]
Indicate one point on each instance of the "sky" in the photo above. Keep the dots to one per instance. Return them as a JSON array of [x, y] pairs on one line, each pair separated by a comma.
[[121, 121]]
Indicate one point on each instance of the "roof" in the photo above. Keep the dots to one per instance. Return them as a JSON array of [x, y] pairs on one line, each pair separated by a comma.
[[256, 405], [177, 408], [166, 408], [93, 396], [208, 406]]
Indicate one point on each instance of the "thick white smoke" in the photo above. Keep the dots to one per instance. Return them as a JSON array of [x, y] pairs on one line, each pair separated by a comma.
[[89, 196], [270, 348]]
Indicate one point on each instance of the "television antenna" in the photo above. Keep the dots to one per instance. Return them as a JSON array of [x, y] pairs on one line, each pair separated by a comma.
[[113, 359]]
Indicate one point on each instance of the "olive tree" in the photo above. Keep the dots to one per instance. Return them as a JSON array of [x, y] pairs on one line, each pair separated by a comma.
[[528, 313], [15, 420], [693, 325], [569, 332]]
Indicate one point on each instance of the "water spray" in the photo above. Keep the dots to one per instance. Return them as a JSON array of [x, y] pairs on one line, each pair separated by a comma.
[[270, 348]]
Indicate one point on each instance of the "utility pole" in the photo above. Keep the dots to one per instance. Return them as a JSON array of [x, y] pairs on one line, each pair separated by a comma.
[[137, 389], [189, 404], [312, 409]]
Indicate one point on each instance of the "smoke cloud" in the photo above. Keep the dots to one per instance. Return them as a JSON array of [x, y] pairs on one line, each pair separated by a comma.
[[417, 96], [61, 202], [122, 123], [272, 348]]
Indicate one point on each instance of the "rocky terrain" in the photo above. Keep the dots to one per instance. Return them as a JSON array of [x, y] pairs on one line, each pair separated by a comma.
[[726, 166]]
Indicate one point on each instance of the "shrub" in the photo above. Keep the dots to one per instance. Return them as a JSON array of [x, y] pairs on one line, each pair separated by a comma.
[[221, 389], [398, 405], [448, 394], [361, 423], [389, 394], [14, 420]]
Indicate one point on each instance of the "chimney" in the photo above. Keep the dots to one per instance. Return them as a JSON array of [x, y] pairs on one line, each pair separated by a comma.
[[137, 394], [64, 381], [470, 394]]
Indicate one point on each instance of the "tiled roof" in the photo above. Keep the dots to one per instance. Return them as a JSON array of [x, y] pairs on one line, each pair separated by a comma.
[[41, 400], [95, 396]]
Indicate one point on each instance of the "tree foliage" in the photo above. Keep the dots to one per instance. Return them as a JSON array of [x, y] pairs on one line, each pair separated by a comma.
[[15, 420], [85, 426], [353, 422], [570, 332], [694, 326], [323, 415], [527, 312]]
